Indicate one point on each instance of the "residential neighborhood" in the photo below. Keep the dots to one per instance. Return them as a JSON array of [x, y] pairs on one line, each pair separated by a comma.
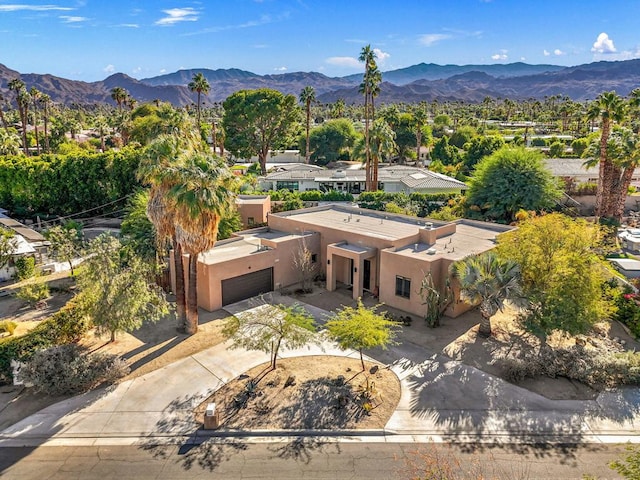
[[302, 240]]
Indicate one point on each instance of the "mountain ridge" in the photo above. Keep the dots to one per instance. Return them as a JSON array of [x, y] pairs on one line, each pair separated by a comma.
[[421, 82]]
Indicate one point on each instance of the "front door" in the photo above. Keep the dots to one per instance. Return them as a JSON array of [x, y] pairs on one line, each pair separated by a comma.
[[366, 275], [351, 271]]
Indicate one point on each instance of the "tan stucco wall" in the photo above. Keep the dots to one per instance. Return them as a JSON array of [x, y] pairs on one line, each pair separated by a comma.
[[281, 258], [258, 211]]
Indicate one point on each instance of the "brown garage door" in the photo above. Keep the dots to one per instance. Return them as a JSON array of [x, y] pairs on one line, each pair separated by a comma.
[[247, 286]]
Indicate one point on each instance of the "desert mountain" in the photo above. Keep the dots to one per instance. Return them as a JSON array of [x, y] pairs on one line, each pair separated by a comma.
[[471, 83]]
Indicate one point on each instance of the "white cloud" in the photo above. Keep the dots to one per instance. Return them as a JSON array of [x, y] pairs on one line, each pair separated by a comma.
[[546, 53], [344, 61], [500, 56], [128, 25], [603, 44], [136, 70], [430, 39], [382, 56], [109, 69], [69, 19], [522, 59], [33, 8], [558, 52], [175, 15], [280, 69], [163, 70]]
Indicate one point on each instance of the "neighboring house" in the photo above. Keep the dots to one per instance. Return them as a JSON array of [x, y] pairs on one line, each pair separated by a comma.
[[573, 168], [253, 209], [367, 251], [28, 243], [393, 179]]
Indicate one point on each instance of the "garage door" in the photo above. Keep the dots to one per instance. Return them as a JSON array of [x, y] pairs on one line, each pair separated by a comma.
[[247, 286]]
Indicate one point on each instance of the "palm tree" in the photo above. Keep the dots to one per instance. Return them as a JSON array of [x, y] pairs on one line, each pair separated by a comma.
[[35, 98], [488, 281], [338, 108], [200, 85], [201, 196], [119, 95], [382, 138], [160, 154], [45, 101], [2, 118], [608, 107], [22, 100], [368, 56], [420, 118], [307, 96]]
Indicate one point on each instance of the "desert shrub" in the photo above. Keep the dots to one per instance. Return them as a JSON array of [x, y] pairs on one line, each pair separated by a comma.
[[25, 267], [70, 369], [33, 292], [311, 195], [595, 368], [8, 326], [65, 326], [586, 188]]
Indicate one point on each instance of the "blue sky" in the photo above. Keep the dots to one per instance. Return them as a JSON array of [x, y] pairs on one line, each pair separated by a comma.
[[91, 39]]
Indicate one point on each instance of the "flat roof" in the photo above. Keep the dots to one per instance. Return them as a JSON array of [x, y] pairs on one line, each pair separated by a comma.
[[246, 244], [357, 220], [627, 264], [467, 240]]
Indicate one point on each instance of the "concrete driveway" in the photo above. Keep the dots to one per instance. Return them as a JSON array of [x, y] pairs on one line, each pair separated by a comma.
[[441, 400]]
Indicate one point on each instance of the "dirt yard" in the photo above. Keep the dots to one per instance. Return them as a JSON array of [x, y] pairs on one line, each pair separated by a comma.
[[319, 392]]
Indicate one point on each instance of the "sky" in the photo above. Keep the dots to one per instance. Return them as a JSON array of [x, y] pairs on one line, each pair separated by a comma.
[[92, 39]]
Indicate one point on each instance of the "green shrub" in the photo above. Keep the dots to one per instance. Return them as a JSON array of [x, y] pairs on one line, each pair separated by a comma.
[[311, 196], [69, 369], [65, 326], [8, 326], [33, 292], [25, 267], [628, 312]]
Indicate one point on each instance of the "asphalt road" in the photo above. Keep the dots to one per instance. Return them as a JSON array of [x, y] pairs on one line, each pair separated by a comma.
[[308, 459]]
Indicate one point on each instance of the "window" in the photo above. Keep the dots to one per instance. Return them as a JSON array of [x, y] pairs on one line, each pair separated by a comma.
[[403, 287], [314, 258], [287, 185], [251, 221]]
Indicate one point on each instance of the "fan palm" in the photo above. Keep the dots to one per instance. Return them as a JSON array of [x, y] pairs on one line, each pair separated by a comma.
[[307, 97], [201, 195], [608, 107], [200, 85], [488, 281]]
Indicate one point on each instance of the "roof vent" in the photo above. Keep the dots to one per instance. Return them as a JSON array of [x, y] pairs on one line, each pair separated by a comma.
[[339, 174], [431, 251], [428, 225]]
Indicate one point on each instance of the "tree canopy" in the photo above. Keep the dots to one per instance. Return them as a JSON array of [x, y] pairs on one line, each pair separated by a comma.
[[256, 121], [562, 276], [360, 328], [509, 180]]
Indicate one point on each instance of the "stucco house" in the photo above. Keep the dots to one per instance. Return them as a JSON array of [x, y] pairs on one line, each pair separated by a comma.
[[383, 254], [253, 209], [575, 169], [393, 179]]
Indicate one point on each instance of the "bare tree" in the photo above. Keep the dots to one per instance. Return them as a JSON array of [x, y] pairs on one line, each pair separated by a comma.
[[306, 267]]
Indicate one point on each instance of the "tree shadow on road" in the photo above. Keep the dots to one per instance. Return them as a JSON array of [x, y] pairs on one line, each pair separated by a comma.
[[300, 449]]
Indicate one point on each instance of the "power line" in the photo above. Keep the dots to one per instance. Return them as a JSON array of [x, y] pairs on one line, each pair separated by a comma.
[[89, 210]]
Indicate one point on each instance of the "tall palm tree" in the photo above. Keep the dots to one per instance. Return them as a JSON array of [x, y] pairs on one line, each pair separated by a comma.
[[45, 101], [368, 56], [307, 97], [200, 85], [161, 153], [201, 196], [382, 138], [420, 117], [119, 95], [22, 100], [35, 98], [608, 107], [2, 118], [488, 281]]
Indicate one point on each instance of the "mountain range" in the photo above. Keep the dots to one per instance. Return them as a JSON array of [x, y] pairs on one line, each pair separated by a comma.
[[422, 82]]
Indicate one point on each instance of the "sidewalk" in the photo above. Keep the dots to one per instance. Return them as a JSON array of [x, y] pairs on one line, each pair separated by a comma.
[[441, 400]]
